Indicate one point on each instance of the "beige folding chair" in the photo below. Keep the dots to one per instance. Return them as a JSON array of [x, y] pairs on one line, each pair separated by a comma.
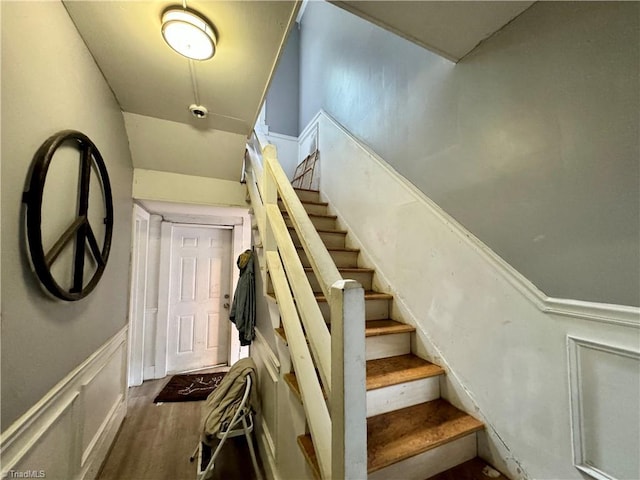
[[241, 423]]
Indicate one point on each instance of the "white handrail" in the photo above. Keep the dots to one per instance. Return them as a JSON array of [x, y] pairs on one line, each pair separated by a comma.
[[312, 399], [314, 324], [320, 259], [339, 435]]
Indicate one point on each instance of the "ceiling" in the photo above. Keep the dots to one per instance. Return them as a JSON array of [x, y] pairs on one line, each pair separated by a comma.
[[154, 85], [449, 28]]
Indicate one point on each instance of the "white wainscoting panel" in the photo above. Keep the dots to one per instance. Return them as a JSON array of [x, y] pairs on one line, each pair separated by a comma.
[[67, 434], [268, 367], [605, 408]]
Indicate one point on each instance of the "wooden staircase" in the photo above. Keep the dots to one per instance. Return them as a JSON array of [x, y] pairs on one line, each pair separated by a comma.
[[412, 433]]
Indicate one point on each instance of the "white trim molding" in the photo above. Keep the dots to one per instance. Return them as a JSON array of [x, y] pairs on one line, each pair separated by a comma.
[[600, 312], [594, 399], [140, 220], [68, 433]]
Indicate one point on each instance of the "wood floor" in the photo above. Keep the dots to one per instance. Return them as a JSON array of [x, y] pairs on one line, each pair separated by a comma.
[[156, 441]]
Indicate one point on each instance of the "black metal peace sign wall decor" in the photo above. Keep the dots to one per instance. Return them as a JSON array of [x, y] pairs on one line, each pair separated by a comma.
[[79, 231]]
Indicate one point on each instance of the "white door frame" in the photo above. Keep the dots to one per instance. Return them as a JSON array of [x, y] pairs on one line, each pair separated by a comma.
[[138, 294], [235, 351]]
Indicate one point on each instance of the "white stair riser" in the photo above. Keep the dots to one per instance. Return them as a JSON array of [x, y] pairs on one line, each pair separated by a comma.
[[407, 394], [431, 462], [308, 195], [326, 223], [383, 346], [310, 208], [363, 278], [340, 258], [330, 240], [377, 309]]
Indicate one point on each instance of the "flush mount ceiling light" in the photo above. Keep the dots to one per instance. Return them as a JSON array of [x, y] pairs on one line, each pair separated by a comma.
[[188, 33]]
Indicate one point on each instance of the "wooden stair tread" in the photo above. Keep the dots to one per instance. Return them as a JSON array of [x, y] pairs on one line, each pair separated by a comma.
[[383, 372], [318, 215], [336, 249], [368, 295], [373, 328], [324, 230], [306, 445], [347, 270], [300, 189], [401, 434], [281, 333], [291, 380], [474, 469], [324, 204]]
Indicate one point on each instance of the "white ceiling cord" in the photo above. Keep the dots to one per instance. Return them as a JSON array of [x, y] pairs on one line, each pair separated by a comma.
[[196, 109], [194, 82]]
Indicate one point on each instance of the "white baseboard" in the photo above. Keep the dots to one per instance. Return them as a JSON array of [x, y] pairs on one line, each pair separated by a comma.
[[68, 433]]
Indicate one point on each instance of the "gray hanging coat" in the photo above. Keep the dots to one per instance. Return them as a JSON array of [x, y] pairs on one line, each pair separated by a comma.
[[243, 311]]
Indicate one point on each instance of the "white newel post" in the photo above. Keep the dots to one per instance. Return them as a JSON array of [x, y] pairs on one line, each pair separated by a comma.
[[348, 394]]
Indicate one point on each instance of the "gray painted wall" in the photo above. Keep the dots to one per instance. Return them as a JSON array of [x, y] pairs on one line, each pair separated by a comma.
[[283, 97], [49, 83], [531, 142]]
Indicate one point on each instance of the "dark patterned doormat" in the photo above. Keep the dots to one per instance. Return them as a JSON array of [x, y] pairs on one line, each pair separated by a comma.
[[189, 388]]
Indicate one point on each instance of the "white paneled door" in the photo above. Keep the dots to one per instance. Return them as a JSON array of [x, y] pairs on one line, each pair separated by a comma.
[[199, 297]]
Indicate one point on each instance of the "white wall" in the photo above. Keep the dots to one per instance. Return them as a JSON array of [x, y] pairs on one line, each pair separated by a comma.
[[50, 83], [189, 189], [531, 141], [287, 148], [158, 144], [506, 357]]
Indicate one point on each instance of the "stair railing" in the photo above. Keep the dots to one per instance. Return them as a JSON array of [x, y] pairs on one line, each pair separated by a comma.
[[339, 437]]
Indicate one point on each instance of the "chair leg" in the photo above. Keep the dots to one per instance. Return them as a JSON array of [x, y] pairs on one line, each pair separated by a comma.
[[195, 452], [254, 460]]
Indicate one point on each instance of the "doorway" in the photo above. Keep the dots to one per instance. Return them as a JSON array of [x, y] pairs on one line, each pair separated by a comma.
[[199, 297], [157, 336]]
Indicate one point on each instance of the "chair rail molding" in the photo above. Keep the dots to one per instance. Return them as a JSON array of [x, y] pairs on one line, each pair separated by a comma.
[[485, 298], [622, 315]]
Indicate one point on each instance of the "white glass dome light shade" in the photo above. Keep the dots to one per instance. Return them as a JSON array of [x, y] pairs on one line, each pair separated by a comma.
[[188, 34]]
